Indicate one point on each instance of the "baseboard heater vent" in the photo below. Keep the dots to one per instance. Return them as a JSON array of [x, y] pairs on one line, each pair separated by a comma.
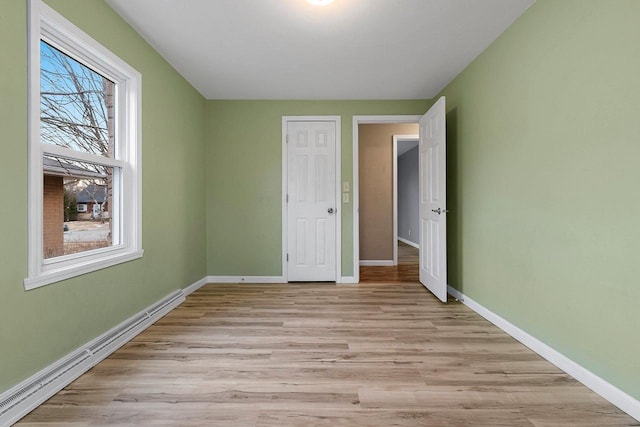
[[18, 401], [42, 379], [166, 305], [111, 338]]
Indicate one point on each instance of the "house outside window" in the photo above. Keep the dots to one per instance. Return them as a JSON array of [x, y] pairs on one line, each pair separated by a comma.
[[84, 152]]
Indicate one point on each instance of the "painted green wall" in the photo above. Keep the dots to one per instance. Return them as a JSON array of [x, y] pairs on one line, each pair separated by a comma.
[[544, 144], [544, 227], [42, 325], [244, 179]]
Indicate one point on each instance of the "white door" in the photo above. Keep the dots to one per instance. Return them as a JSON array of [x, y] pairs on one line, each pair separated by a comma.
[[433, 200], [311, 201]]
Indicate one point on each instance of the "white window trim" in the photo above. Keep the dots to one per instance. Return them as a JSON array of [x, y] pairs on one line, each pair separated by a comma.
[[47, 24]]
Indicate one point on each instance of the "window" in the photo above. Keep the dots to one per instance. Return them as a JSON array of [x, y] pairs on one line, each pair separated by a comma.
[[84, 152]]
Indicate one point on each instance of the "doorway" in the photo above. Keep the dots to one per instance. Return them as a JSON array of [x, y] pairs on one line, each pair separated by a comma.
[[432, 197], [378, 196], [406, 205]]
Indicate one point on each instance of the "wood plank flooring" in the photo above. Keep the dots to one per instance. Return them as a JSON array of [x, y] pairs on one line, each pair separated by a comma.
[[407, 269], [324, 355]]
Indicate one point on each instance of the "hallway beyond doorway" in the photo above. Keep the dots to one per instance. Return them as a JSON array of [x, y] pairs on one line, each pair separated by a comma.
[[407, 269]]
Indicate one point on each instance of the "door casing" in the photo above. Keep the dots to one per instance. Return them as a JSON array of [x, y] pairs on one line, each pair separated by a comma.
[[338, 192]]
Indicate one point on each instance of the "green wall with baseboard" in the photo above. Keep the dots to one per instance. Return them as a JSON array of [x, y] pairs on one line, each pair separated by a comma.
[[544, 150], [42, 325], [244, 179], [544, 227]]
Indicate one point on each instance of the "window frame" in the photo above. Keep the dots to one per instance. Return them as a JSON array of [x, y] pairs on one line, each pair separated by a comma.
[[47, 25]]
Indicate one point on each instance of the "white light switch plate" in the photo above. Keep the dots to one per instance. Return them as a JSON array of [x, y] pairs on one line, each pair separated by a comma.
[[345, 197], [345, 186]]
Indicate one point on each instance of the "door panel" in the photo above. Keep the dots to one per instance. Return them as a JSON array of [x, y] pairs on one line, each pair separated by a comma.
[[433, 200], [311, 206]]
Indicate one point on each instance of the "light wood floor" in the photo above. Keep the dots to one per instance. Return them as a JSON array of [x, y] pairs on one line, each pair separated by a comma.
[[407, 269], [324, 355]]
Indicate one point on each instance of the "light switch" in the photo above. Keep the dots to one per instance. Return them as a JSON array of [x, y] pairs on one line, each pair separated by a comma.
[[345, 186], [345, 197]]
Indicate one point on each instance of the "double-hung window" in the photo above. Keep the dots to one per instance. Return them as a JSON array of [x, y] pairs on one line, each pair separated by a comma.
[[84, 152]]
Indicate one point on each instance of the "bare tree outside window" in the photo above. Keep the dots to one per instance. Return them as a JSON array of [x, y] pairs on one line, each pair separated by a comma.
[[77, 112]]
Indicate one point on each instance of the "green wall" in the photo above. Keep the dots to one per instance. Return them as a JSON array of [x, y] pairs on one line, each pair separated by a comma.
[[244, 179], [544, 144], [42, 325], [544, 229]]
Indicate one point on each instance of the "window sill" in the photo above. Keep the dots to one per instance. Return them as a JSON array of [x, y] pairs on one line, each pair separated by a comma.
[[57, 275]]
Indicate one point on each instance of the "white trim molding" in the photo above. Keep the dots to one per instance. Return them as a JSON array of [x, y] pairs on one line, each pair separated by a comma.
[[195, 286], [262, 279], [361, 120], [338, 196], [245, 279], [377, 262], [602, 387], [409, 242], [394, 203]]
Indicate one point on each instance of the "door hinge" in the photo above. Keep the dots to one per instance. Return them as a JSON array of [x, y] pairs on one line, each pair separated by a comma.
[[287, 198], [287, 257], [287, 138]]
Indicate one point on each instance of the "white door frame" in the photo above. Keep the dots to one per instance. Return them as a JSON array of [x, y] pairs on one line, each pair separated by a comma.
[[396, 139], [360, 120], [338, 195]]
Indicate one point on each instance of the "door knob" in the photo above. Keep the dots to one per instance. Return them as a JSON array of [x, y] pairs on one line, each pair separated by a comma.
[[330, 210], [439, 211]]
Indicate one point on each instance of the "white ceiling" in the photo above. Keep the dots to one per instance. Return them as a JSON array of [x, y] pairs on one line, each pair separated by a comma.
[[350, 49]]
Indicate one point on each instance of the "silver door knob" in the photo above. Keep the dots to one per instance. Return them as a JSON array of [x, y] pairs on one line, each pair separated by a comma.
[[439, 211], [330, 210]]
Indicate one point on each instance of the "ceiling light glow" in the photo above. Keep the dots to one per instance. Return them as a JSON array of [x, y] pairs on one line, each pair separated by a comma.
[[320, 2]]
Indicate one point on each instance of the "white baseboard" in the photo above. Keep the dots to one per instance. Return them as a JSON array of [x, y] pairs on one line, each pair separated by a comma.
[[259, 279], [245, 279], [605, 389], [195, 286], [377, 262], [409, 242], [21, 399]]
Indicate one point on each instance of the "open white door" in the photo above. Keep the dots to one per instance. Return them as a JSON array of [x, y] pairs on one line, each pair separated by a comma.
[[433, 200]]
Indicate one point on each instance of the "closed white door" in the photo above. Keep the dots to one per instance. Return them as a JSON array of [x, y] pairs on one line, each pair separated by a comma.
[[433, 200], [311, 201]]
